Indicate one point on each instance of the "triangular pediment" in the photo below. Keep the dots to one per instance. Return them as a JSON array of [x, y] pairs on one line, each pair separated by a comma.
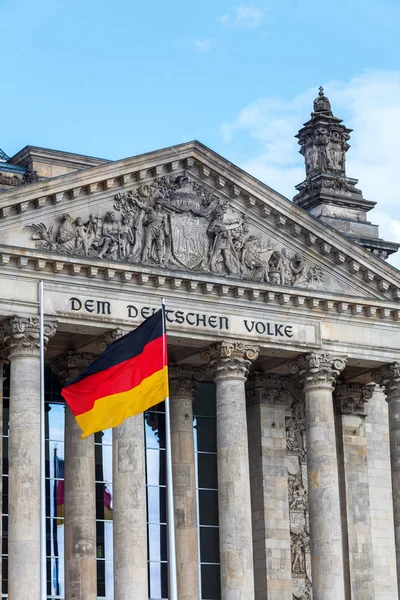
[[186, 209]]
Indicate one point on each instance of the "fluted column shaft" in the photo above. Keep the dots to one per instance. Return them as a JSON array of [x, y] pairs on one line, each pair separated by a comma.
[[129, 502], [21, 338], [318, 373], [184, 480], [230, 363], [79, 494], [388, 377]]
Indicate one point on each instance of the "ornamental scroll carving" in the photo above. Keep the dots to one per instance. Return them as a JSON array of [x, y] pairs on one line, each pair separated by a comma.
[[298, 499], [350, 398], [69, 365], [176, 222], [388, 377], [21, 335]]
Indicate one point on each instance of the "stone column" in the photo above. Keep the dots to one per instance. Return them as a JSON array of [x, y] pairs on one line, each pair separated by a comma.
[[388, 377], [349, 401], [230, 363], [21, 340], [318, 372], [184, 476], [129, 502], [267, 406], [79, 494]]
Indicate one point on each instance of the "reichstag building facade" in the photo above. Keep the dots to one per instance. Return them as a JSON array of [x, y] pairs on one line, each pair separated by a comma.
[[283, 323]]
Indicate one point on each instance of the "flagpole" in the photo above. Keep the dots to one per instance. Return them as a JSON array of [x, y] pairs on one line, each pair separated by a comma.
[[43, 558], [173, 583]]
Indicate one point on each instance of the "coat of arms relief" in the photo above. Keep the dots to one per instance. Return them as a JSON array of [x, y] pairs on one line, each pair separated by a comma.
[[178, 223]]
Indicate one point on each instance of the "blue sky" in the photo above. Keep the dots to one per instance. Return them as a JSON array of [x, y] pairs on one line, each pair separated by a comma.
[[115, 79]]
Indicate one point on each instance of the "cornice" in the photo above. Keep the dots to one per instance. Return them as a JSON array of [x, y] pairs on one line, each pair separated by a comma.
[[31, 262], [262, 203]]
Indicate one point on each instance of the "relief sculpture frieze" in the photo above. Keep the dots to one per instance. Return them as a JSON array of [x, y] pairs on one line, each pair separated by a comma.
[[175, 222]]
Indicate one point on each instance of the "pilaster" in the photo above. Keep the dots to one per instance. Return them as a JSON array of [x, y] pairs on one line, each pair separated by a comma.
[[349, 402], [267, 404]]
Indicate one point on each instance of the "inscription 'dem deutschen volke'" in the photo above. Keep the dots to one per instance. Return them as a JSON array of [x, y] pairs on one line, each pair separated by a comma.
[[183, 318]]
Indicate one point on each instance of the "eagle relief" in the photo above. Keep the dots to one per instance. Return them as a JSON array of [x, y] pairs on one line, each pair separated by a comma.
[[176, 222]]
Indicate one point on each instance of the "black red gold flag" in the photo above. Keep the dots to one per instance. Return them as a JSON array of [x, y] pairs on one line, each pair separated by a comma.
[[128, 378]]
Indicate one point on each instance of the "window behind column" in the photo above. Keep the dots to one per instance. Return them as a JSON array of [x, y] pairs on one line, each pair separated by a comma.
[[205, 439]]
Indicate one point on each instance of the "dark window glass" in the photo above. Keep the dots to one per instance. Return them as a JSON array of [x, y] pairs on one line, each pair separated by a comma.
[[158, 580], [155, 467], [208, 507], [157, 542], [206, 434], [156, 504], [5, 496], [5, 455], [5, 535], [204, 402], [209, 544], [210, 582], [4, 569], [207, 471]]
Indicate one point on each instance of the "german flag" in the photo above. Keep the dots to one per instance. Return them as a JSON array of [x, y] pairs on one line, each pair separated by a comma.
[[128, 378]]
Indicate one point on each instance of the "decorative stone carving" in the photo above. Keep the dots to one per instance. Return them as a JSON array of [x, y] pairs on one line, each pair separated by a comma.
[[230, 359], [21, 335], [175, 222], [296, 430], [109, 337], [318, 369], [16, 181], [388, 377], [298, 499], [272, 389], [69, 365], [181, 381], [350, 398]]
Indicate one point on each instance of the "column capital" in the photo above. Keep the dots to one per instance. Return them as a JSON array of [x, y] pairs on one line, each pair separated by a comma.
[[388, 377], [69, 365], [230, 360], [350, 398], [21, 335], [271, 389], [183, 380], [318, 370], [109, 337]]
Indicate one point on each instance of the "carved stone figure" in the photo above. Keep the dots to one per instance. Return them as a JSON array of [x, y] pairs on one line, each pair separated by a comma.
[[178, 223], [108, 242], [298, 269], [154, 237]]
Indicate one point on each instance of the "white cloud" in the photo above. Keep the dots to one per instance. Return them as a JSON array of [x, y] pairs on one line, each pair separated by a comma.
[[203, 45], [369, 103], [245, 16]]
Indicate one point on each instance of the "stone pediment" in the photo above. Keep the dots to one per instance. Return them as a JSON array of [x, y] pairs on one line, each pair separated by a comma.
[[186, 209]]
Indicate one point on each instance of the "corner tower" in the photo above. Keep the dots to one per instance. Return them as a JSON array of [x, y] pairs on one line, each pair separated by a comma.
[[327, 192]]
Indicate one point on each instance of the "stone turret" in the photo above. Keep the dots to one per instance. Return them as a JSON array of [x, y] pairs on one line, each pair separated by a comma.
[[327, 192]]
